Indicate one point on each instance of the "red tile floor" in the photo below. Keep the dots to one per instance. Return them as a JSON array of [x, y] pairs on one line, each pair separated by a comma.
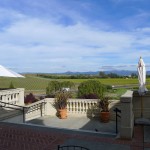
[[24, 137]]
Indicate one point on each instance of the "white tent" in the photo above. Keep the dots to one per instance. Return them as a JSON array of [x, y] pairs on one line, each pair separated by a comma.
[[142, 76], [4, 72]]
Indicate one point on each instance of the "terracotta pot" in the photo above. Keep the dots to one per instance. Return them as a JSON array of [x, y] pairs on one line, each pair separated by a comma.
[[105, 116], [62, 113]]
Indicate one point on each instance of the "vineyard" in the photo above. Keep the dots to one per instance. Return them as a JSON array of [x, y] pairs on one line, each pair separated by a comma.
[[34, 83]]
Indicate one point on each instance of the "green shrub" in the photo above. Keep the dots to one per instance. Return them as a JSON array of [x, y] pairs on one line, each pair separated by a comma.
[[56, 86], [91, 87], [108, 87], [53, 87]]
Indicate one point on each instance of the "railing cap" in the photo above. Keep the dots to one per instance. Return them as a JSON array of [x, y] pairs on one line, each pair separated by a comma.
[[127, 97]]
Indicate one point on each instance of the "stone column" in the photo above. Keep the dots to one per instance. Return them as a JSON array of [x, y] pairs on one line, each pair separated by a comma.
[[127, 116], [21, 96], [49, 107]]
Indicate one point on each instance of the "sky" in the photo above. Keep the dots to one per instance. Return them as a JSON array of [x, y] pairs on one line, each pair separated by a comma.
[[53, 36]]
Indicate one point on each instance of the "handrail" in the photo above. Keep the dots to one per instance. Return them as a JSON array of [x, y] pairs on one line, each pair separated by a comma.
[[21, 108], [117, 115], [12, 104]]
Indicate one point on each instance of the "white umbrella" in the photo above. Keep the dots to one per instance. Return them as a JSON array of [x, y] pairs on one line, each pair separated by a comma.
[[4, 72], [142, 77], [142, 80]]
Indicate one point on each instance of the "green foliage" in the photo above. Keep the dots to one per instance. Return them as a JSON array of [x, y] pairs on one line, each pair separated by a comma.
[[108, 87], [11, 86], [102, 74], [67, 84], [89, 87], [78, 76], [55, 86], [61, 99]]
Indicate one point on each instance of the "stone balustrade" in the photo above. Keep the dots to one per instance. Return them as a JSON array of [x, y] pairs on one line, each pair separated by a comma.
[[35, 110], [12, 96], [81, 107], [75, 107]]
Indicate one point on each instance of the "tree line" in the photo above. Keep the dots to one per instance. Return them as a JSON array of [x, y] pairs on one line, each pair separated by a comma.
[[81, 76]]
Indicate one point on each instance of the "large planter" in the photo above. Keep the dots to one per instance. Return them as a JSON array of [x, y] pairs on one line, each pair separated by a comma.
[[104, 116], [62, 113]]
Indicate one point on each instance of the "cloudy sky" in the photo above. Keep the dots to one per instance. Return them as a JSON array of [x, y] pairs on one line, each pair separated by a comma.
[[74, 35]]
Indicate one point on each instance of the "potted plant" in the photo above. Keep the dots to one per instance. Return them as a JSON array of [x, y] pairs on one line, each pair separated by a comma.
[[104, 105], [61, 100]]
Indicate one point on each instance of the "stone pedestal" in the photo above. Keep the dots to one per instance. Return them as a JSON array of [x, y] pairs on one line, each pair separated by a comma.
[[127, 116]]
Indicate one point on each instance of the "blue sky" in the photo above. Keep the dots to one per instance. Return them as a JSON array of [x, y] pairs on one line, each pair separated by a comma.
[[74, 35]]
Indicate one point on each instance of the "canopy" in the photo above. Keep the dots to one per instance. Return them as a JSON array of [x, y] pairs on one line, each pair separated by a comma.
[[142, 76], [4, 72]]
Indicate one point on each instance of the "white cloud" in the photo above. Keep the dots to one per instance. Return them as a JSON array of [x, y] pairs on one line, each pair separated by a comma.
[[48, 45]]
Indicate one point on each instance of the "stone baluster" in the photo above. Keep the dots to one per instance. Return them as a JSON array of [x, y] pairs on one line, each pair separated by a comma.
[[86, 107], [73, 107], [79, 107]]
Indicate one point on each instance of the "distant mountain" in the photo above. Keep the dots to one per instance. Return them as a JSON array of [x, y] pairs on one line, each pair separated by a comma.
[[82, 73], [118, 72], [121, 72]]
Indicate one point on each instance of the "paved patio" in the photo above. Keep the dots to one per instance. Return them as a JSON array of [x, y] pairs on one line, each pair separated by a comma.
[[27, 137], [77, 123]]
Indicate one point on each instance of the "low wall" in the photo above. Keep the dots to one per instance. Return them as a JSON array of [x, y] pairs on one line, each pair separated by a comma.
[[141, 103], [81, 107]]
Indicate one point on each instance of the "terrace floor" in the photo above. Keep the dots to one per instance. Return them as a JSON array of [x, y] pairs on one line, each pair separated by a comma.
[[27, 137], [77, 123]]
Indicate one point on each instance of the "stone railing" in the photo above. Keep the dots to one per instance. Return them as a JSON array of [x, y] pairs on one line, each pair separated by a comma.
[[12, 96], [75, 107], [81, 107], [35, 110]]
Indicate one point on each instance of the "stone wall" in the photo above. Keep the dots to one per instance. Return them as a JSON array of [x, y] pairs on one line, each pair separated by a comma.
[[141, 105]]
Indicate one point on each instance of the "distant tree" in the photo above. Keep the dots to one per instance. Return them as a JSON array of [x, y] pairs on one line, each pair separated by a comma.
[[102, 74], [113, 75], [133, 75]]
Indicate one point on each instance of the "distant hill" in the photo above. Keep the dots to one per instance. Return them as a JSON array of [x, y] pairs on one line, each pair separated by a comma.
[[118, 72]]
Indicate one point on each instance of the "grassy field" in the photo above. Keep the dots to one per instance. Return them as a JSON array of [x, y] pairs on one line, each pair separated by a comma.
[[37, 84]]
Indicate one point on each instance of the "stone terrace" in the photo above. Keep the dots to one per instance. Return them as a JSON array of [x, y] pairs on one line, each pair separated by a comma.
[[27, 137]]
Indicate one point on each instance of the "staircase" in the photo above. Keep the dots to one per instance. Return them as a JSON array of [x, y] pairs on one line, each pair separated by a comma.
[[7, 114]]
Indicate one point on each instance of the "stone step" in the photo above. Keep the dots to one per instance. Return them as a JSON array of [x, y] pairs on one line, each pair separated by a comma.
[[6, 114]]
